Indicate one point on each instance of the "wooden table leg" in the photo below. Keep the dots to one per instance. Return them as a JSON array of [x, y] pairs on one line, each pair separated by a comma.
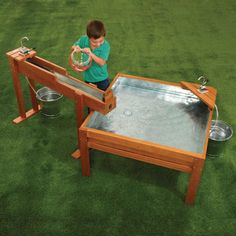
[[194, 181]]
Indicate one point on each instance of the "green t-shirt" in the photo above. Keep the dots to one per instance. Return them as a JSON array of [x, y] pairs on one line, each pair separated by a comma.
[[95, 72]]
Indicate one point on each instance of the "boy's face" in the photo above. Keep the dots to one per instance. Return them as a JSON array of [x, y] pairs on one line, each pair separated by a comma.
[[95, 43]]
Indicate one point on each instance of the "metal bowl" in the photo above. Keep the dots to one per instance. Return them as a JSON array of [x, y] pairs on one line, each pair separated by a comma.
[[220, 131]]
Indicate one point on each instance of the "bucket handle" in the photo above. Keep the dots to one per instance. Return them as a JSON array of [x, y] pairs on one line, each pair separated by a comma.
[[30, 85]]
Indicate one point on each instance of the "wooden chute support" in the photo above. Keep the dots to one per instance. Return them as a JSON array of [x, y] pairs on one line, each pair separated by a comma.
[[38, 70]]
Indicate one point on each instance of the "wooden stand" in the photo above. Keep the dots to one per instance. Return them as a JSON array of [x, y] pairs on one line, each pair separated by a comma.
[[39, 70]]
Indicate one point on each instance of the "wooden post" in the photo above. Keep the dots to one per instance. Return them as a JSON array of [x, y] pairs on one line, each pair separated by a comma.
[[79, 107], [14, 58], [17, 87], [84, 151], [194, 180], [32, 94]]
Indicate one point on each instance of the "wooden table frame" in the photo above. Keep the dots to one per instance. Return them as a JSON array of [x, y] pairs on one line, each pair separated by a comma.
[[184, 161]]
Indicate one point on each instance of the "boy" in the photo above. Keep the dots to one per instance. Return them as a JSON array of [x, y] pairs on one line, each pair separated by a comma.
[[98, 48]]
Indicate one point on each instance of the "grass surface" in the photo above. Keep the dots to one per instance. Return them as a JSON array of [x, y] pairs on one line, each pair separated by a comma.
[[42, 191]]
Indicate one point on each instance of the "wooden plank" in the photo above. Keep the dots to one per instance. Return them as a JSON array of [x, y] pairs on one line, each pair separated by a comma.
[[13, 52], [76, 154], [28, 114], [21, 57], [145, 79], [87, 119], [179, 160], [140, 144], [139, 157], [208, 98], [53, 66]]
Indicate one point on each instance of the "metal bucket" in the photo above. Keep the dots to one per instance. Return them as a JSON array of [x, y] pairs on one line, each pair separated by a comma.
[[219, 133], [50, 102]]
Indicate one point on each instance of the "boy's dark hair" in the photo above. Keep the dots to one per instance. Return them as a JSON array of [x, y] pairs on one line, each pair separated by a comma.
[[95, 29]]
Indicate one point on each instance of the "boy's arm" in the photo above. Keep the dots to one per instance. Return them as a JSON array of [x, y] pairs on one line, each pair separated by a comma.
[[97, 59]]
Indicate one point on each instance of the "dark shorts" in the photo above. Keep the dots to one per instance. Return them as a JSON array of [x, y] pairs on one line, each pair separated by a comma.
[[103, 85]]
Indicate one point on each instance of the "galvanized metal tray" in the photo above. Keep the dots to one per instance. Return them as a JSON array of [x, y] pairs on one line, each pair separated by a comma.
[[155, 112]]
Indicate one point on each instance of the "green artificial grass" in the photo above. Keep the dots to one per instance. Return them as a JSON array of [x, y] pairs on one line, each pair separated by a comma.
[[42, 191]]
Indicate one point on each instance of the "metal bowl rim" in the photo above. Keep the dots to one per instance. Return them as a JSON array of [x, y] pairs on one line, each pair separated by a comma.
[[226, 125]]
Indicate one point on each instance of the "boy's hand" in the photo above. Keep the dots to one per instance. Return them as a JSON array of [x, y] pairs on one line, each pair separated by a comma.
[[76, 48], [87, 50], [97, 59]]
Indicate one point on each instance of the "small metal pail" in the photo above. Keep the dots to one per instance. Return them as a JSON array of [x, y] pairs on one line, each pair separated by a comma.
[[50, 102], [219, 133]]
